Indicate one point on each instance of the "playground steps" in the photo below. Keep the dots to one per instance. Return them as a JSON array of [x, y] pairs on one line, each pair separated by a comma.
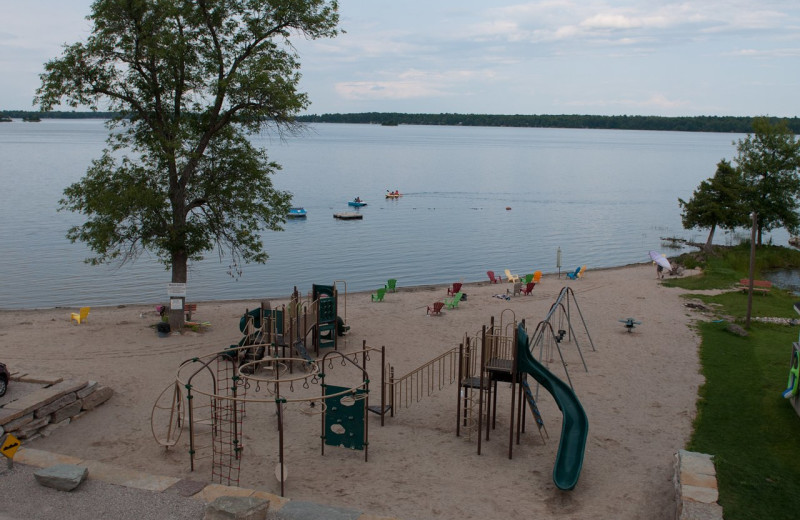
[[696, 487]]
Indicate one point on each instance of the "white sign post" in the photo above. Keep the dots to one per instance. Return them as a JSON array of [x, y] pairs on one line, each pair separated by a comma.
[[177, 301]]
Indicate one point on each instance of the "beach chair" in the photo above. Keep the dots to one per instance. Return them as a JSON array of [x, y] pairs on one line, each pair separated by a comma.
[[582, 271], [380, 294], [528, 288], [574, 275], [517, 288], [528, 278], [80, 316], [456, 288], [452, 303], [493, 278], [436, 309], [391, 285], [537, 276], [511, 277]]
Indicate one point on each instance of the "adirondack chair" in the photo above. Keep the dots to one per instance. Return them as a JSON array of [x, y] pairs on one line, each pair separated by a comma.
[[452, 303], [537, 276], [511, 277], [574, 275], [528, 288], [582, 271], [456, 288], [80, 316], [436, 309], [391, 285], [493, 278], [517, 288], [379, 296], [527, 279]]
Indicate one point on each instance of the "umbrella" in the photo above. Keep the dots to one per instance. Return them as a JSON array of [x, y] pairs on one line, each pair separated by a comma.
[[660, 260]]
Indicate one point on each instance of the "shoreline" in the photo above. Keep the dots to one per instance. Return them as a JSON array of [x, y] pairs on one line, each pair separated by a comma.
[[639, 393]]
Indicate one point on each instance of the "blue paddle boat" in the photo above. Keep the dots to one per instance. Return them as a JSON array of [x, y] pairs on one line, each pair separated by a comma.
[[357, 202], [297, 213]]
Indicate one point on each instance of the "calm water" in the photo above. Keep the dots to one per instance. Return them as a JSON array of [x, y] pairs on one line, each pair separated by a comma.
[[604, 197]]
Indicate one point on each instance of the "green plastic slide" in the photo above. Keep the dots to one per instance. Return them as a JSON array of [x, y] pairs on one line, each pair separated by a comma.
[[575, 425]]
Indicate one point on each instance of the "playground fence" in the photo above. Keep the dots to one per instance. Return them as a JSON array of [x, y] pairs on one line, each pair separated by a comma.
[[431, 377]]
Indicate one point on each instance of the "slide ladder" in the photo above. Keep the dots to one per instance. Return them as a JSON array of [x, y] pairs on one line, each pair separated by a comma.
[[575, 425]]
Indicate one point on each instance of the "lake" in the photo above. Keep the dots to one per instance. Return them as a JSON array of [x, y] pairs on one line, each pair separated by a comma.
[[474, 199]]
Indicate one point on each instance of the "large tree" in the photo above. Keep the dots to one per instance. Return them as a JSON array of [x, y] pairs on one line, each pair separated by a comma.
[[189, 80], [716, 202], [769, 160]]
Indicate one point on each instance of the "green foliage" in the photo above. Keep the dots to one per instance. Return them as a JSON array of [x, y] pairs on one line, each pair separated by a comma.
[[769, 160], [716, 202], [187, 81]]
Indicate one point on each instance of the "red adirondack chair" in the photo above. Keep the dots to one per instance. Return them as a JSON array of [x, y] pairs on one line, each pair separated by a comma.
[[456, 287], [528, 288], [436, 309], [493, 278]]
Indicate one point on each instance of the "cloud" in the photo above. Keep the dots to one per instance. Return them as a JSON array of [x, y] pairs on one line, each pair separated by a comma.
[[410, 84]]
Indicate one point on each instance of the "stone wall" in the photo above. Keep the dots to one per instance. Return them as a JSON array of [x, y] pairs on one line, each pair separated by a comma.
[[51, 404]]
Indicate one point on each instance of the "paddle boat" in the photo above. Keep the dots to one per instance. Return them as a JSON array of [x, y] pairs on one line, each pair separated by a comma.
[[297, 213], [357, 202]]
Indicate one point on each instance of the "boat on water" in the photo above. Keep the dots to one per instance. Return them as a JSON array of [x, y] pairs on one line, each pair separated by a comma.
[[356, 202], [297, 213], [348, 216], [393, 194]]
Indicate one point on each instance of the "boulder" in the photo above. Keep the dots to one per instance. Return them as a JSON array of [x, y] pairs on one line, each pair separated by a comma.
[[64, 477]]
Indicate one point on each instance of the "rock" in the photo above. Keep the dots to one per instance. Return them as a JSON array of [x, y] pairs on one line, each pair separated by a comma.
[[96, 398], [736, 329], [64, 477], [237, 508]]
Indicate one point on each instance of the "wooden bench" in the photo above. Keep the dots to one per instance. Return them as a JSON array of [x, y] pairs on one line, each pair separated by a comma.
[[760, 286], [189, 308]]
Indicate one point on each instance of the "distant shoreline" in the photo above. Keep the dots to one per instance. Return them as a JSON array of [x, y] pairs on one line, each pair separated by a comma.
[[715, 124]]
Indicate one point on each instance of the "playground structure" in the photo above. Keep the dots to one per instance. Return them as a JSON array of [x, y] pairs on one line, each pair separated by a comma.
[[221, 385], [791, 391]]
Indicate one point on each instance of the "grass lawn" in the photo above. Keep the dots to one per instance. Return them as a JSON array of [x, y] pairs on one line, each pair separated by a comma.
[[743, 421]]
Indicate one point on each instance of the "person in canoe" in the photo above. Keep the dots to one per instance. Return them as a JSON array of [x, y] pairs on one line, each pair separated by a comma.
[[357, 199]]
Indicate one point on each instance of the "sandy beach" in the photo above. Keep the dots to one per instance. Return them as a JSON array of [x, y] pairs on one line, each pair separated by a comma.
[[639, 394]]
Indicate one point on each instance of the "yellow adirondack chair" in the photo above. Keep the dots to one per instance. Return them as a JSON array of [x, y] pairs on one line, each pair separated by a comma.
[[511, 277], [79, 317]]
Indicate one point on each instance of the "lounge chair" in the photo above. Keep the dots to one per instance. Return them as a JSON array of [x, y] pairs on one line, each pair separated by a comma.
[[517, 288], [574, 275], [379, 296], [452, 303], [528, 288], [511, 277], [436, 309], [528, 278], [391, 285], [537, 276], [582, 271], [80, 316], [456, 288], [493, 278]]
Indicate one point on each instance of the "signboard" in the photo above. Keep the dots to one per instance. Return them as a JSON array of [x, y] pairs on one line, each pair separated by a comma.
[[176, 289], [9, 445]]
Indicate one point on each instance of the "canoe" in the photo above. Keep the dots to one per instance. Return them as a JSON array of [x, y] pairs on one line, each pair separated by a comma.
[[297, 213], [393, 195], [356, 204]]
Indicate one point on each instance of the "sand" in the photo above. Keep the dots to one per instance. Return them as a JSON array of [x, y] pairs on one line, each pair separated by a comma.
[[639, 393]]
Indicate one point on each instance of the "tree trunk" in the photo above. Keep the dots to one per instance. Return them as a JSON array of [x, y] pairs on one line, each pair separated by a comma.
[[708, 245]]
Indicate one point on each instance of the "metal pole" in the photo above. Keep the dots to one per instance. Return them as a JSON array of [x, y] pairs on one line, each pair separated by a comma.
[[754, 216], [558, 261]]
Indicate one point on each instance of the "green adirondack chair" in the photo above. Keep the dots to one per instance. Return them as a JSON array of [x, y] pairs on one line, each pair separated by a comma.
[[527, 279], [379, 297], [452, 303], [391, 285]]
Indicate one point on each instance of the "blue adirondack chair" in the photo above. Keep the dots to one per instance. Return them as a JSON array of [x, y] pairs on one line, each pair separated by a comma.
[[574, 275]]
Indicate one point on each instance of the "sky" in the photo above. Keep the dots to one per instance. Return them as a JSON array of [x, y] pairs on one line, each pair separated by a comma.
[[599, 57]]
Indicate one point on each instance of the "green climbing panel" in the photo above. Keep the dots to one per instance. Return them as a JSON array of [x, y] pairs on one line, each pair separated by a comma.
[[344, 418]]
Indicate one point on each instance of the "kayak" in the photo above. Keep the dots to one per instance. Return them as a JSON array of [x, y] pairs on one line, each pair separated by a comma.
[[356, 204]]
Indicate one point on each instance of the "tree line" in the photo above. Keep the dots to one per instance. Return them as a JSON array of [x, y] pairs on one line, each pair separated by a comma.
[[722, 124]]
